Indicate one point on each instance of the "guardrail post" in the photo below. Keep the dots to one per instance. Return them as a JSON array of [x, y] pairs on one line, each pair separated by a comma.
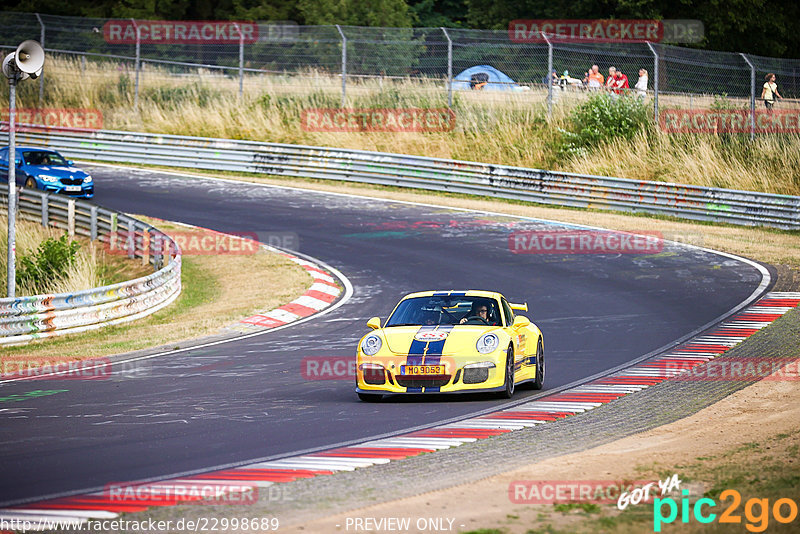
[[93, 223], [752, 97], [655, 81], [145, 246], [344, 65], [157, 255], [45, 211], [71, 217], [130, 242], [138, 64], [549, 77], [449, 69], [41, 76]]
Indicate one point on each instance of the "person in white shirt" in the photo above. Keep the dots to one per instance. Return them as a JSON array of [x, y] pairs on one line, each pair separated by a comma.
[[641, 84], [770, 91]]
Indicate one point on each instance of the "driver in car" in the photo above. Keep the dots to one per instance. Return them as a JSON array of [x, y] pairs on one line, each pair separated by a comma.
[[481, 311]]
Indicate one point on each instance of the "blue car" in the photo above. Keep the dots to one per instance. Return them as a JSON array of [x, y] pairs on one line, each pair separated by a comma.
[[45, 169]]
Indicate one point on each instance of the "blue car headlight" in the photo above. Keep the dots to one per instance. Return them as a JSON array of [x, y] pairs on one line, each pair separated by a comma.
[[47, 178], [87, 180], [371, 345], [487, 343]]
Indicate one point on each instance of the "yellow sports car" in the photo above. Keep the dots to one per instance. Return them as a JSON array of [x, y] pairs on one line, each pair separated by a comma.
[[447, 342]]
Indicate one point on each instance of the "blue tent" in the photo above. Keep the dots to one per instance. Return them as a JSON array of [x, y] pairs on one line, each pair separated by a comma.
[[494, 79]]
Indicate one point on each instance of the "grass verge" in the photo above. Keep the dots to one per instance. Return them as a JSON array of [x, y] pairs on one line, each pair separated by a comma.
[[495, 128]]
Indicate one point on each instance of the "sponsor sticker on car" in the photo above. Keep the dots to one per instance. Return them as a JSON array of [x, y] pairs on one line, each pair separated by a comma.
[[431, 336]]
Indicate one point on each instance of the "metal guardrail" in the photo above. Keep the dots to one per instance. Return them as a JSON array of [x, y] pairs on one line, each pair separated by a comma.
[[500, 181], [25, 318]]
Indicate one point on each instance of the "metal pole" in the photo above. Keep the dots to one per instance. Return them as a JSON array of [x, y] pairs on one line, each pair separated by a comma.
[[752, 97], [41, 77], [655, 81], [241, 59], [138, 64], [449, 69], [11, 280], [344, 65], [549, 77]]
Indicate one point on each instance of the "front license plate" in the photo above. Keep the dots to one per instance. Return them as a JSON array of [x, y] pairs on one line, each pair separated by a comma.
[[72, 188], [423, 370]]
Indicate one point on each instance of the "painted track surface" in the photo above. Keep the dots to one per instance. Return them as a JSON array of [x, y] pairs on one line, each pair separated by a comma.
[[247, 399]]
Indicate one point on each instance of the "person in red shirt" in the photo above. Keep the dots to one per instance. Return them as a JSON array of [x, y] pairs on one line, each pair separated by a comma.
[[620, 83]]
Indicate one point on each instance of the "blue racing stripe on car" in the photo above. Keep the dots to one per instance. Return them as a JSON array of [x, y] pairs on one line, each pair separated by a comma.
[[450, 294], [433, 356], [434, 353], [417, 348]]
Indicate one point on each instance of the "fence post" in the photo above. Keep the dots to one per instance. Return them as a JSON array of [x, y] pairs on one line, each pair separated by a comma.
[[241, 58], [138, 64], [655, 81], [449, 69], [752, 97], [344, 64], [41, 76], [549, 77]]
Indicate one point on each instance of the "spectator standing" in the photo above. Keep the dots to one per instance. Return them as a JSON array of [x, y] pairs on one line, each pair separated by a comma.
[[620, 83], [610, 80], [641, 84], [594, 78], [770, 91]]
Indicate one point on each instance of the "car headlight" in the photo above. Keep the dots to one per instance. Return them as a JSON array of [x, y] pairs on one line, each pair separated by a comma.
[[87, 180], [48, 178], [487, 343], [371, 345]]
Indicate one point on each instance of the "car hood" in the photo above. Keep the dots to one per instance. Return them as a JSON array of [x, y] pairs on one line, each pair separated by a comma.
[[444, 339], [59, 171]]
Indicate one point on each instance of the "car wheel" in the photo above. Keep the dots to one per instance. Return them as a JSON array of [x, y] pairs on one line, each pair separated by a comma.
[[538, 382], [508, 392], [30, 183], [369, 397]]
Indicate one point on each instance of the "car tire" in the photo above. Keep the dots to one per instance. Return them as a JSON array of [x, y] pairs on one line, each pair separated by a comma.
[[508, 384], [538, 382], [370, 397], [30, 183]]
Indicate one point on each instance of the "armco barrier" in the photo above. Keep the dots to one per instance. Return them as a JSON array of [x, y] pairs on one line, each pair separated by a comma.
[[25, 318], [516, 183]]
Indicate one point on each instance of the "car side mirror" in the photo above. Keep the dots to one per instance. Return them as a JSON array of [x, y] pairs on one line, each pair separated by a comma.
[[70, 162], [520, 321], [18, 162], [374, 323]]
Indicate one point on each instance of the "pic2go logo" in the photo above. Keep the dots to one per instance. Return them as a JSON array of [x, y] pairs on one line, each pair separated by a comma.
[[756, 511]]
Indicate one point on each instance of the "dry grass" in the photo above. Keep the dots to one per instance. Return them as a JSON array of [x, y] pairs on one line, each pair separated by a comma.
[[84, 273], [490, 127], [218, 290]]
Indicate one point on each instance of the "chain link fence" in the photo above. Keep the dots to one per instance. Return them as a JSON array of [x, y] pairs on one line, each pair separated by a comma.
[[346, 61]]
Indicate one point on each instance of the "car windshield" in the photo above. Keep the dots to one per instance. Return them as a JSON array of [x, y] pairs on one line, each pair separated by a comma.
[[40, 157], [448, 310]]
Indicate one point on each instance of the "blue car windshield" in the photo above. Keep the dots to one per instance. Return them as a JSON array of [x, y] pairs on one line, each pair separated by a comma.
[[420, 311], [40, 157]]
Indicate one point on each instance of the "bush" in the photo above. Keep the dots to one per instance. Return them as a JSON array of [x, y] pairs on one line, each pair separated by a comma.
[[47, 263], [602, 118]]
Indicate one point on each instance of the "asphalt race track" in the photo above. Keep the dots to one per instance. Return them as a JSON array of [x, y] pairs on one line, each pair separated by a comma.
[[247, 400]]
